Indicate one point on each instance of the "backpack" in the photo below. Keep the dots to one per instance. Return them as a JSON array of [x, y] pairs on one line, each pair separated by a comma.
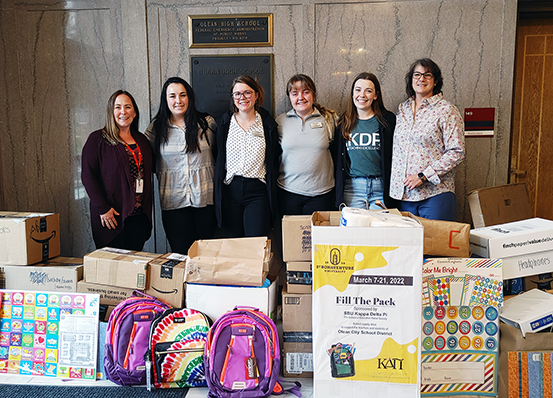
[[127, 336], [341, 360], [242, 356], [176, 349]]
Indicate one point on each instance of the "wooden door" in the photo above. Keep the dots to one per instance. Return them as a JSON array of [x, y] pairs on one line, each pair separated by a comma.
[[532, 132]]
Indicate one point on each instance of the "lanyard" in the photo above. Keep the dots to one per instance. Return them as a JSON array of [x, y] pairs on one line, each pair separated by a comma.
[[139, 160]]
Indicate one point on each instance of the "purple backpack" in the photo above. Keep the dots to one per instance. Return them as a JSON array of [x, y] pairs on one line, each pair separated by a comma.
[[127, 338], [242, 356]]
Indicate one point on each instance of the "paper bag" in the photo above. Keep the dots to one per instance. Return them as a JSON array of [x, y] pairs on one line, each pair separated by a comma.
[[511, 340], [445, 238], [239, 261]]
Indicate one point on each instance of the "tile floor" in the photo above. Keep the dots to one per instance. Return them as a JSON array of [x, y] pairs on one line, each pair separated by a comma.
[[306, 389]]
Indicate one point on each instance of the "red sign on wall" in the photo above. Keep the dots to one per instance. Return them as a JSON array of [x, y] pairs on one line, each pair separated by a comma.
[[479, 122]]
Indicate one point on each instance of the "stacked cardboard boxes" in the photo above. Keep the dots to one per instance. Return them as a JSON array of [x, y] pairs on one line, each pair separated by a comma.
[[297, 336], [29, 253], [505, 229], [297, 347]]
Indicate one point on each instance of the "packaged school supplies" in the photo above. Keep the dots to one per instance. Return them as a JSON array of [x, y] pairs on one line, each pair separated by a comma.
[[52, 334]]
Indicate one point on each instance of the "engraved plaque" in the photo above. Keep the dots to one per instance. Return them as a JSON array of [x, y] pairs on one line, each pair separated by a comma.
[[212, 77], [243, 30]]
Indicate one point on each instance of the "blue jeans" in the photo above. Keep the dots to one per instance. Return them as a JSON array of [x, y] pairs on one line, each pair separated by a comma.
[[439, 207], [363, 192]]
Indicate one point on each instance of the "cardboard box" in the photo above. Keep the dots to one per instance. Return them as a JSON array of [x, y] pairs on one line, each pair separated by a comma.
[[109, 295], [297, 359], [240, 261], [117, 267], [215, 300], [529, 264], [367, 287], [28, 238], [43, 277], [499, 205], [512, 239], [299, 277], [167, 278], [64, 261], [296, 238], [296, 312]]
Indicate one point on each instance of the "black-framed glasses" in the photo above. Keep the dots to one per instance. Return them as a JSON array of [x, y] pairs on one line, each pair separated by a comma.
[[247, 94], [418, 75]]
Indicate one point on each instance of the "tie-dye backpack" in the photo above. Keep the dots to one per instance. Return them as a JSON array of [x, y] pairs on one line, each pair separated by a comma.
[[176, 350]]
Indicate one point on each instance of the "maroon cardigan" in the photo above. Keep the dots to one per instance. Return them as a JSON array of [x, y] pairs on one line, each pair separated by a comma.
[[106, 176]]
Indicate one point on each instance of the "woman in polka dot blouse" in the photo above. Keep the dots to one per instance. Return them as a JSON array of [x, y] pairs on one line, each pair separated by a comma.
[[246, 165]]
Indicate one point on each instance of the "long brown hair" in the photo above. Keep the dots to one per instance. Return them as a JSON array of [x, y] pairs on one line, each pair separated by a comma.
[[348, 120], [110, 132], [308, 84]]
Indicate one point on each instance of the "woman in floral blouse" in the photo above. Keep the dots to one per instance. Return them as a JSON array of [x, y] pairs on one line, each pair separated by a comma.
[[428, 144]]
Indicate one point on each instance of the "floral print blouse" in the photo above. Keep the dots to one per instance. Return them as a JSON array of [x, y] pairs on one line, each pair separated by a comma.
[[431, 141]]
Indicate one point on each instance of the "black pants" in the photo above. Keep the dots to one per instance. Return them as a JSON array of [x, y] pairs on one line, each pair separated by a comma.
[[135, 233], [246, 210], [186, 225], [292, 204]]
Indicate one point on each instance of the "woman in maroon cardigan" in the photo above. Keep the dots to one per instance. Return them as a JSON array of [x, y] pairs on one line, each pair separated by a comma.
[[117, 167]]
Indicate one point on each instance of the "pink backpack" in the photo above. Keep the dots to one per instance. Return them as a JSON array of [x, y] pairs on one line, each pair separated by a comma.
[[242, 356], [127, 338]]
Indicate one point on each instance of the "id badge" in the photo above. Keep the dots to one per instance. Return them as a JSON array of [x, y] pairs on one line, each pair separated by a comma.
[[139, 185]]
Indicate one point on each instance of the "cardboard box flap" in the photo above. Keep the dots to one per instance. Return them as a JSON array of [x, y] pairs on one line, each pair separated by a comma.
[[110, 253], [240, 248], [500, 204]]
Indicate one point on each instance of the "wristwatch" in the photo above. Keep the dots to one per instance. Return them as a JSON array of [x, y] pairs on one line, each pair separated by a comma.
[[422, 177]]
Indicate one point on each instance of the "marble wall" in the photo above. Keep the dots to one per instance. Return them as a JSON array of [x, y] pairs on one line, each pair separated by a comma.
[[61, 61]]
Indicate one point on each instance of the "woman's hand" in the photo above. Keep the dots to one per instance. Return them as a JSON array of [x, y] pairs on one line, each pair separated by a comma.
[[108, 219], [412, 181]]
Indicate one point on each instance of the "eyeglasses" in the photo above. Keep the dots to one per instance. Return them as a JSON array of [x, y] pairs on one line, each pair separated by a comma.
[[418, 75], [237, 94]]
